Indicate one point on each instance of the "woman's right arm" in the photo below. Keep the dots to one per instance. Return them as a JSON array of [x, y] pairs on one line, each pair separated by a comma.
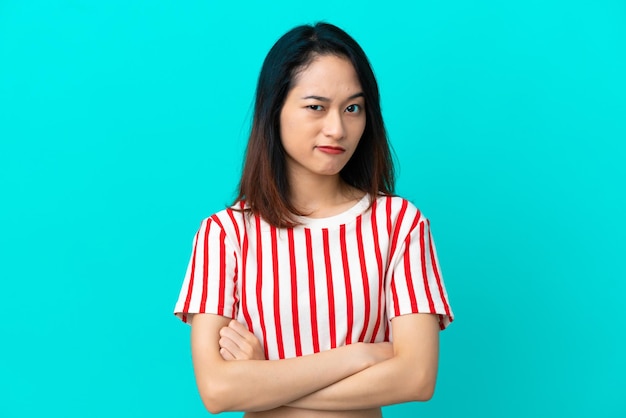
[[259, 385]]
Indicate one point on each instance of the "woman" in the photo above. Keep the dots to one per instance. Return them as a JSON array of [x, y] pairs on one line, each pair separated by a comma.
[[317, 267]]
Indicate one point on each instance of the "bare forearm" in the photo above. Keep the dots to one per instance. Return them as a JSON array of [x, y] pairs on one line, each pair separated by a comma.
[[409, 375], [386, 383], [256, 385]]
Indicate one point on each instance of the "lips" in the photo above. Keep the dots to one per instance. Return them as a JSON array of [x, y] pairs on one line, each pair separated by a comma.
[[330, 149]]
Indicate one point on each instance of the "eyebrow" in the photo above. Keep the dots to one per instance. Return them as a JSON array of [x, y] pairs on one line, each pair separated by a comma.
[[326, 99]]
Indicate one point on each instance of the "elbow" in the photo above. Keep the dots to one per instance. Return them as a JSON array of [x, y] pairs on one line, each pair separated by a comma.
[[422, 388], [212, 404], [425, 393], [219, 396], [213, 395], [213, 408]]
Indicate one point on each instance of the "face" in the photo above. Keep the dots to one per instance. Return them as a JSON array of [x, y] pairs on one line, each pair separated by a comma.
[[323, 118]]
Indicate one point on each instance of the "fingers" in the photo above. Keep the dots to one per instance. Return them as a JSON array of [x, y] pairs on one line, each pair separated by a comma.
[[228, 332], [226, 355], [229, 349], [240, 343], [249, 343], [238, 327]]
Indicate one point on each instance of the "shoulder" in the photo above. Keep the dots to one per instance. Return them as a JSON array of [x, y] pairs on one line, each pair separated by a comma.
[[397, 208], [399, 218], [229, 221]]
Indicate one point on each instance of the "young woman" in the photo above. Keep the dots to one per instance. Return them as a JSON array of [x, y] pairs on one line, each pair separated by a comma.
[[318, 293]]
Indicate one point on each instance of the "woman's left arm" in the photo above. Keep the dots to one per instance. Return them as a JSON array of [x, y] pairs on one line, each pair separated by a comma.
[[410, 375]]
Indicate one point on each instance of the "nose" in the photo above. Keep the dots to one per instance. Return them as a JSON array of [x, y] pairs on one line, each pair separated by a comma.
[[334, 125]]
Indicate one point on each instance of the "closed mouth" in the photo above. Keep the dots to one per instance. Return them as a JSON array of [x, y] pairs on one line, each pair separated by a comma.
[[330, 147]]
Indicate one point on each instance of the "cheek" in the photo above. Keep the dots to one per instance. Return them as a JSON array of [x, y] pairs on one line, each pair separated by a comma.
[[287, 131], [357, 128], [297, 128], [288, 121]]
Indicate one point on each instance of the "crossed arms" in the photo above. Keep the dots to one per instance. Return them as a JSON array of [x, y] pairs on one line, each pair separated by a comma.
[[232, 374]]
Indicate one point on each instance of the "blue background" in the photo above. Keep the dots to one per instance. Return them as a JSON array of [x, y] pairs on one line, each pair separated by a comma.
[[122, 125]]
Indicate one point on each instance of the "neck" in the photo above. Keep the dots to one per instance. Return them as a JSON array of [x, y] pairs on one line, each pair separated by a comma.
[[322, 196]]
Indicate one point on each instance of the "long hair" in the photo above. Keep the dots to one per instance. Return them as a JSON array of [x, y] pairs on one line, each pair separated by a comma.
[[264, 185]]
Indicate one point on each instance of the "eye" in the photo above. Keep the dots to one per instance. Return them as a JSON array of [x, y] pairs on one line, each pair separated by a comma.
[[353, 108], [315, 107]]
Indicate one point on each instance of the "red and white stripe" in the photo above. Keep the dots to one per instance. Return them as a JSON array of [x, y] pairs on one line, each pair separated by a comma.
[[320, 285]]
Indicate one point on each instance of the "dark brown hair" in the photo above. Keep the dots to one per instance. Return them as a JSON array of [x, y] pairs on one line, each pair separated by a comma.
[[263, 184]]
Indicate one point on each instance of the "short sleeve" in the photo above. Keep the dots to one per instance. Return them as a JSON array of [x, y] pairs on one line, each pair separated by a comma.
[[414, 283], [210, 281]]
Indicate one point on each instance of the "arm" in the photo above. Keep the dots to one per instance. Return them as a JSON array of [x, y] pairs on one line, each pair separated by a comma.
[[257, 385], [409, 375]]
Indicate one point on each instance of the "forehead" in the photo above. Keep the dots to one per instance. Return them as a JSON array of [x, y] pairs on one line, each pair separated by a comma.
[[329, 73]]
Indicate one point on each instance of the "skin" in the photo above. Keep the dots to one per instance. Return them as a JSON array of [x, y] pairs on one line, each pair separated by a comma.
[[355, 395], [261, 385], [325, 109], [322, 121]]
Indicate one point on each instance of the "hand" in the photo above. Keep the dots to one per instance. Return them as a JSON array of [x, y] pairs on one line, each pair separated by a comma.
[[237, 343]]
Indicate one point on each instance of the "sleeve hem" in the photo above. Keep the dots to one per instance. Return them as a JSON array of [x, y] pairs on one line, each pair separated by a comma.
[[444, 318], [186, 316]]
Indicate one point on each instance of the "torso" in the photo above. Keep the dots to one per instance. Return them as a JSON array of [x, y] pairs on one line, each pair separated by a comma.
[[292, 289], [322, 284], [325, 283]]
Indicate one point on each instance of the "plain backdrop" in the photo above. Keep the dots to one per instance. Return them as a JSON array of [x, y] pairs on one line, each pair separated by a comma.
[[123, 123]]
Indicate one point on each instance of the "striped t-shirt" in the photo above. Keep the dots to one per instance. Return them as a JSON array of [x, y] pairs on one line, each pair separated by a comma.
[[325, 283]]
